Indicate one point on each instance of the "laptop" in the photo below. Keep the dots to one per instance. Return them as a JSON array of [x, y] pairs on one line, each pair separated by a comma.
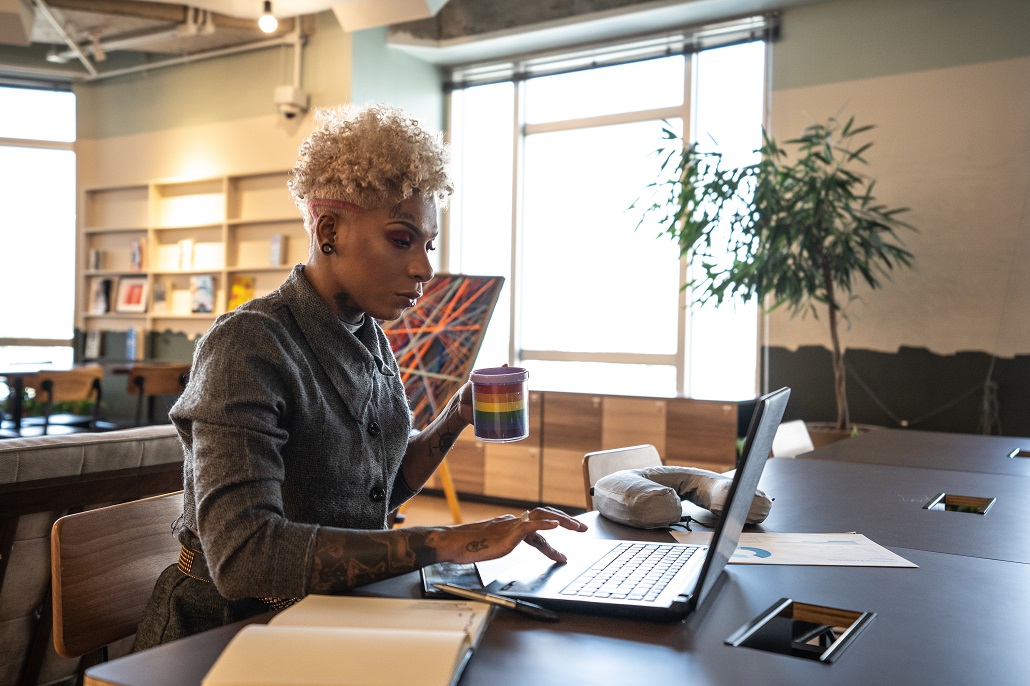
[[676, 578]]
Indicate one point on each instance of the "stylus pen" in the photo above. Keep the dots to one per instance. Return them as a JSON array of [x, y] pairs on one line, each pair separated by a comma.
[[517, 605]]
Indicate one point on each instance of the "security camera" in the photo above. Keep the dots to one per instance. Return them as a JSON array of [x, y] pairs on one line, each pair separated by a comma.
[[291, 101]]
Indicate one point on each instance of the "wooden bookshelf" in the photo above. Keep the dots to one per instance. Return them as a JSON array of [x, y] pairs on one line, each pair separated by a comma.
[[220, 227]]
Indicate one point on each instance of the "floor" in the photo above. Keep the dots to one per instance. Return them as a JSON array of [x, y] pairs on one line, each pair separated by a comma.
[[429, 510]]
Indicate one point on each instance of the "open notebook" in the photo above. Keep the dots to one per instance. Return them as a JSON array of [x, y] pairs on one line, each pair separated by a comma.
[[346, 640]]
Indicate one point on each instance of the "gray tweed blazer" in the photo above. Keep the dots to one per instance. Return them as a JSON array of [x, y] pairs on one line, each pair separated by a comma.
[[289, 422]]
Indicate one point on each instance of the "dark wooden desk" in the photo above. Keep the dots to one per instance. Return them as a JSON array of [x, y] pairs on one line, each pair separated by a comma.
[[955, 619], [886, 504], [960, 617], [931, 450]]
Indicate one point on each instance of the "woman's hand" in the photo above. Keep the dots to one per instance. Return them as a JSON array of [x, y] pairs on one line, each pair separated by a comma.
[[465, 408], [493, 538]]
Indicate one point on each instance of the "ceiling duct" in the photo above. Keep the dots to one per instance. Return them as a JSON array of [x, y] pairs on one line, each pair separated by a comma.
[[15, 22]]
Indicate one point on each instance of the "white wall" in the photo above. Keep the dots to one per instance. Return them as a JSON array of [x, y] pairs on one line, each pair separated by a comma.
[[952, 143]]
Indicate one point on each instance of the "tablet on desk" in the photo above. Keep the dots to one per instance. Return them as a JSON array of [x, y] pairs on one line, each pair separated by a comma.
[[464, 575]]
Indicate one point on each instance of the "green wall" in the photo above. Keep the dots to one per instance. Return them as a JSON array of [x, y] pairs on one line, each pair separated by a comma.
[[217, 89], [384, 74], [844, 40]]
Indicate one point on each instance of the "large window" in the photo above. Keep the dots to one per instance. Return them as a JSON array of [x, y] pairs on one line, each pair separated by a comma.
[[548, 167], [37, 225]]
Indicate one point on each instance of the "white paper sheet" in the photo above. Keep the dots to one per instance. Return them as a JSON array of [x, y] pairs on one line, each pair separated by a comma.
[[844, 550]]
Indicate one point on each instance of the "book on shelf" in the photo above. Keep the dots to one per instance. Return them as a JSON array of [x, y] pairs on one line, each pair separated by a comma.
[[241, 291], [202, 293], [162, 296], [134, 343], [100, 296], [95, 260], [355, 640], [277, 250], [93, 345], [186, 254], [137, 247]]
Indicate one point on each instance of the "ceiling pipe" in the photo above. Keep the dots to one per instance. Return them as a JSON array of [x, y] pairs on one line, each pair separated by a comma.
[[45, 11], [295, 39], [130, 42]]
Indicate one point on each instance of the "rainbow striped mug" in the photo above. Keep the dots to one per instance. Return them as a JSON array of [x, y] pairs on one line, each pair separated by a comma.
[[500, 398]]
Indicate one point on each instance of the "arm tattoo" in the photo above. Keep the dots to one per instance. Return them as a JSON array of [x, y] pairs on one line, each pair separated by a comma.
[[345, 558], [476, 546], [440, 449]]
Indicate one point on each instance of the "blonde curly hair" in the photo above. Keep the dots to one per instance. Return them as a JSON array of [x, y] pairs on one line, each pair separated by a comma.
[[369, 157]]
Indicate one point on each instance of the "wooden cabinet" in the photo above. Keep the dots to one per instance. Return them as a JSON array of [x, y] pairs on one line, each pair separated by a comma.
[[572, 427], [633, 421], [503, 470], [512, 470], [701, 433], [188, 235], [547, 467]]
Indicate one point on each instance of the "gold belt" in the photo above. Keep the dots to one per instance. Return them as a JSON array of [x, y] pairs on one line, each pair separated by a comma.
[[192, 564]]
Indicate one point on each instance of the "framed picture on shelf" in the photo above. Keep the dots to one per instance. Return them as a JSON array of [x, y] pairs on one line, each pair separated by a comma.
[[100, 296], [132, 294], [202, 293]]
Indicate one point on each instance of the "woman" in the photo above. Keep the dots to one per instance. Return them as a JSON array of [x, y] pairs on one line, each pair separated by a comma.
[[294, 424]]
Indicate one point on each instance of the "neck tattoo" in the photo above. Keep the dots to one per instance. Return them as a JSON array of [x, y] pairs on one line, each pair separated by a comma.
[[348, 311]]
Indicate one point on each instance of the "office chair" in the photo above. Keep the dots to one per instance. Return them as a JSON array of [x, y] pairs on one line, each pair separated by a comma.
[[604, 462], [146, 381], [68, 385], [104, 564]]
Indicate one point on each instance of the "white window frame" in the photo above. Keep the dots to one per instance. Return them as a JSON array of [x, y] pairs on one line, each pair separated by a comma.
[[686, 42], [39, 144]]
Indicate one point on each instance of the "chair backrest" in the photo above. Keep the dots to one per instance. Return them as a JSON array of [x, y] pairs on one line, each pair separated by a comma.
[[604, 462], [68, 385], [104, 564], [80, 383], [792, 439], [149, 380]]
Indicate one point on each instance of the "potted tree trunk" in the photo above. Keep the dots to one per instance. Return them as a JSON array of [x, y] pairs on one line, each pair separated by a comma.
[[797, 229]]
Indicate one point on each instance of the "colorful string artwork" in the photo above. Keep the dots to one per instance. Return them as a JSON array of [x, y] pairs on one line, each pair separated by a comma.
[[437, 341]]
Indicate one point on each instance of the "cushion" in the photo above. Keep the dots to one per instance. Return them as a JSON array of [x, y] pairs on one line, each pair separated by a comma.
[[652, 497]]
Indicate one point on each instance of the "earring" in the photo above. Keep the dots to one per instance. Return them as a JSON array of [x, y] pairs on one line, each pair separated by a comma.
[[327, 248]]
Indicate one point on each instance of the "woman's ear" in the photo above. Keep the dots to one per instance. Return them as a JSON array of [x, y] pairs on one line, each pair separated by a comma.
[[325, 228]]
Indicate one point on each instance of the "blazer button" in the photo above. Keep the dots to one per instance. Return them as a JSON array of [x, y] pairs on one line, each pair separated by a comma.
[[377, 494], [373, 429]]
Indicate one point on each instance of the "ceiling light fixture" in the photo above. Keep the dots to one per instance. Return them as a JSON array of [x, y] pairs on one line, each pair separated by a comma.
[[267, 22], [55, 57]]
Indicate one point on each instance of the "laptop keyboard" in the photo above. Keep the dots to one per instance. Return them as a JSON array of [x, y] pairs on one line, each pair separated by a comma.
[[631, 571]]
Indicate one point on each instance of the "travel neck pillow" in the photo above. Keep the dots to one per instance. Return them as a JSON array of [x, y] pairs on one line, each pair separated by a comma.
[[652, 497]]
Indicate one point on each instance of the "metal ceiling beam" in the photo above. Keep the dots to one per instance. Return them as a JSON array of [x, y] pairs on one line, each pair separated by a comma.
[[45, 11]]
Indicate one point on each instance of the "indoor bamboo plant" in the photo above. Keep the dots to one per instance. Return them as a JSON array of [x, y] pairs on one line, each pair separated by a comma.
[[801, 228]]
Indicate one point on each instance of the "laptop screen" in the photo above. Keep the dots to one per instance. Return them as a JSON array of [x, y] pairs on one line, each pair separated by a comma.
[[764, 422]]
